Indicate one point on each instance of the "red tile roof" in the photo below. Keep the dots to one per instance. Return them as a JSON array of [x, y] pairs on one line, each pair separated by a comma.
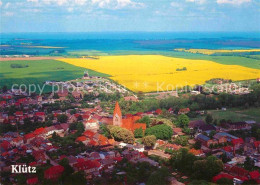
[[39, 114], [92, 142], [158, 111], [22, 100], [254, 174], [32, 181], [102, 140], [223, 175], [81, 138], [237, 141], [5, 145], [228, 148], [2, 102], [257, 144], [39, 131], [89, 134], [87, 164], [185, 110], [118, 159], [195, 152], [19, 113], [117, 110], [29, 136], [53, 172]]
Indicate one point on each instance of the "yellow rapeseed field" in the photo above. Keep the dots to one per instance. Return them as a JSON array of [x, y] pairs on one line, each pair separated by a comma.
[[213, 51], [158, 73]]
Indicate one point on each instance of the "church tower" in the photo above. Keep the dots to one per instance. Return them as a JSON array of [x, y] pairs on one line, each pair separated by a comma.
[[117, 116]]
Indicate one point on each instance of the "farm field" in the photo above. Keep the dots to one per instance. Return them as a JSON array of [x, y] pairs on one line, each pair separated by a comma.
[[39, 71], [214, 51], [150, 73], [237, 114]]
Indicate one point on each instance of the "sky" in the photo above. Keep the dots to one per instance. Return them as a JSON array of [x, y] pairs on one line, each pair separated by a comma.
[[129, 15]]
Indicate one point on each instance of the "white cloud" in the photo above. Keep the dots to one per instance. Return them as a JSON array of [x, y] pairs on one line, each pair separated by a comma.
[[32, 1], [197, 1], [177, 5], [1, 3], [80, 2], [58, 2], [233, 2], [117, 4]]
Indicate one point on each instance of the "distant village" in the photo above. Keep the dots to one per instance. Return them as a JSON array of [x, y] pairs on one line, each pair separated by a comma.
[[88, 139]]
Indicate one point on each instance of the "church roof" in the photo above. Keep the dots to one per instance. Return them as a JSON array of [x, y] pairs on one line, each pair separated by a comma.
[[117, 110]]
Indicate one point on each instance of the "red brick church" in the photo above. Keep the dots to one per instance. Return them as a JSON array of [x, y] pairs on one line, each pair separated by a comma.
[[129, 122]]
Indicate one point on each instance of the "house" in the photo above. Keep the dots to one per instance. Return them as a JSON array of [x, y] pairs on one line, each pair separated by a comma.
[[184, 111], [63, 93], [28, 137], [88, 166], [205, 140], [222, 175], [173, 146], [206, 128], [255, 175], [91, 124], [196, 124], [77, 95], [158, 111], [239, 172], [220, 138], [131, 98], [228, 136], [177, 132], [237, 143], [196, 152], [238, 125], [40, 116], [53, 172], [32, 181]]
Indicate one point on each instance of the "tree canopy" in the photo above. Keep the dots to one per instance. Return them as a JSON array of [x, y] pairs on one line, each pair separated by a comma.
[[160, 131]]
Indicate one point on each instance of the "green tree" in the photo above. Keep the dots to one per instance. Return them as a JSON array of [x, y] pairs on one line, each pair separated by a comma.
[[4, 89], [149, 141], [225, 181], [139, 133], [207, 168], [62, 118], [121, 134], [183, 120], [249, 164], [146, 120], [183, 161], [160, 131], [56, 96], [197, 145], [159, 177], [68, 170], [212, 133], [180, 140], [209, 119]]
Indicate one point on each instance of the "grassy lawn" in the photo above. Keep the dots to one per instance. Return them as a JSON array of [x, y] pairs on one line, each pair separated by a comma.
[[237, 114], [39, 71]]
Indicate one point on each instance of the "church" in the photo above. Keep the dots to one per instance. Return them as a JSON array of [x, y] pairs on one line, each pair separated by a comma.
[[129, 122]]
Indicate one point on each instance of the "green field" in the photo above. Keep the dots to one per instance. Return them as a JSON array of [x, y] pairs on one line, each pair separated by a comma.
[[39, 71], [237, 114]]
